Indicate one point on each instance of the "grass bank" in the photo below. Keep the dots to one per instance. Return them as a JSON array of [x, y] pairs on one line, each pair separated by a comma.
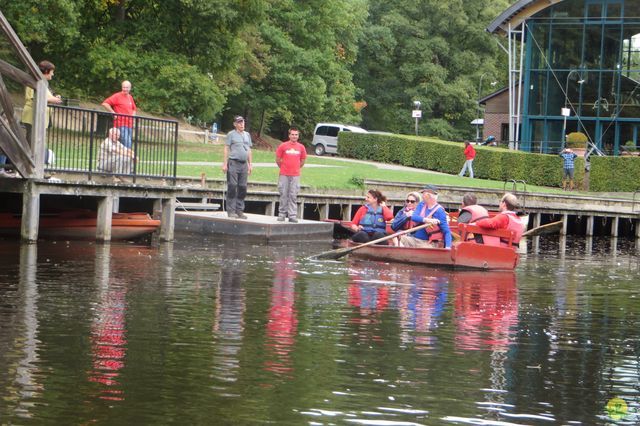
[[325, 172]]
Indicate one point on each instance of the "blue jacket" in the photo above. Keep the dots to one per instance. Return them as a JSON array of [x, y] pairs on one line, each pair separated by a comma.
[[439, 214]]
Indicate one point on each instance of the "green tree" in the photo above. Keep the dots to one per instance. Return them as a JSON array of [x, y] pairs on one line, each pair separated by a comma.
[[432, 51], [307, 49]]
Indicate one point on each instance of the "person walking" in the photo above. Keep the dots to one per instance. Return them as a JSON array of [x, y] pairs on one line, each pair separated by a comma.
[[290, 158], [123, 105], [568, 168], [469, 155], [236, 163]]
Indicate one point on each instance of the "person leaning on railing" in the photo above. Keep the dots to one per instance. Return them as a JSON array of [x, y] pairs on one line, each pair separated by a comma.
[[113, 156]]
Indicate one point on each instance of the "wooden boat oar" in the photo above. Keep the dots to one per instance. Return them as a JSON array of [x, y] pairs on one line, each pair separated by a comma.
[[338, 253], [549, 228]]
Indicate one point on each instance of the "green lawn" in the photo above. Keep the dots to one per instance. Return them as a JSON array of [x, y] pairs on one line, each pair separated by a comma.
[[341, 175]]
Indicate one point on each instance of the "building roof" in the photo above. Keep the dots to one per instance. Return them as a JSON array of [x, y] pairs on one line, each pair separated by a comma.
[[492, 95], [517, 13]]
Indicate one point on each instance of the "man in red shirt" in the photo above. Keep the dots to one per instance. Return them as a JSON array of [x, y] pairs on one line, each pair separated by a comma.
[[290, 157], [122, 104], [469, 154]]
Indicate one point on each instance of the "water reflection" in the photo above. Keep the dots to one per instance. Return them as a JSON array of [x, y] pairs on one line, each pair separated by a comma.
[[282, 322], [228, 322], [421, 304], [108, 327], [246, 334], [486, 306]]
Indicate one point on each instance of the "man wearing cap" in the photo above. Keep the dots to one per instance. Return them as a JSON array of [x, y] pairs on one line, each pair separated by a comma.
[[236, 163], [429, 211], [506, 219]]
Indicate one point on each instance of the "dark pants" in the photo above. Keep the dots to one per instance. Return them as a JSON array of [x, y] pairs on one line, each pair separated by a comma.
[[237, 176], [365, 237]]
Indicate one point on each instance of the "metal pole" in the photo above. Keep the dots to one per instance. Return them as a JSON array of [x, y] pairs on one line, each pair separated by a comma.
[[479, 111], [416, 126]]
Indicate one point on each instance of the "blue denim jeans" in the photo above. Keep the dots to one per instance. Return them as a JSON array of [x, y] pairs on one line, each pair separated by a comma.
[[125, 135]]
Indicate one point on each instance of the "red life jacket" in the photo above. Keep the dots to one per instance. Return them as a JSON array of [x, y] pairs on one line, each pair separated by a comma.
[[433, 232], [515, 226], [477, 212]]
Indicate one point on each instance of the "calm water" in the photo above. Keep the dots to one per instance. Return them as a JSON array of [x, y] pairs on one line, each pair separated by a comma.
[[225, 332]]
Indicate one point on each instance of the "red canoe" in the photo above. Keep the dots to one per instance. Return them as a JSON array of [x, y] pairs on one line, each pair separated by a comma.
[[463, 255], [81, 225]]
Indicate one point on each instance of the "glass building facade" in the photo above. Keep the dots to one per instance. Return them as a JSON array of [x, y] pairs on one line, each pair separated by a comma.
[[585, 55]]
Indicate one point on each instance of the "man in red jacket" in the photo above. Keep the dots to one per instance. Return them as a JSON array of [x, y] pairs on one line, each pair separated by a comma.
[[469, 154]]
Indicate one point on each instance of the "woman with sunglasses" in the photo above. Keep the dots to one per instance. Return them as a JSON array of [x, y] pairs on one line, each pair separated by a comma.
[[402, 220], [370, 221]]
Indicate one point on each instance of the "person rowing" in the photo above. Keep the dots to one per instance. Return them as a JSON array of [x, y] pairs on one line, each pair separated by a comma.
[[429, 212]]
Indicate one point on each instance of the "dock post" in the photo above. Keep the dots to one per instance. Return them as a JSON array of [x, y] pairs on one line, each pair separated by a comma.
[[565, 220], [301, 208], [30, 214], [324, 211], [346, 213], [590, 221], [270, 209], [167, 224], [103, 224], [614, 226], [537, 217]]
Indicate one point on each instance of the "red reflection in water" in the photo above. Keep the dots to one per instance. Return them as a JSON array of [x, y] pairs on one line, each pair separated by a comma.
[[486, 309], [108, 342], [283, 322]]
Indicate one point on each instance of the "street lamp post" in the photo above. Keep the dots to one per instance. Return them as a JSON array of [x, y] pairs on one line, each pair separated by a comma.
[[493, 83], [416, 113], [566, 112]]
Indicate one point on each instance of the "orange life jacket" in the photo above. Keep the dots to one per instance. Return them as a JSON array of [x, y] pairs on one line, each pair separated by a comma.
[[477, 212]]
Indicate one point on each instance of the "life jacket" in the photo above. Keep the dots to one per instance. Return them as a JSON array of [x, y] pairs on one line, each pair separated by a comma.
[[515, 226], [477, 212], [373, 220], [434, 233]]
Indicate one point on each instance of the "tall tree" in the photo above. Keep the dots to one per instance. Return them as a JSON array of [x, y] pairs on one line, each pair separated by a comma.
[[432, 51], [307, 49]]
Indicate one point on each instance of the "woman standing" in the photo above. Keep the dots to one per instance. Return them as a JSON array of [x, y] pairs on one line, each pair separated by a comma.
[[370, 221]]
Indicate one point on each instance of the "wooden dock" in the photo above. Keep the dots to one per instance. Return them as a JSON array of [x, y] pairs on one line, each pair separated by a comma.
[[256, 226]]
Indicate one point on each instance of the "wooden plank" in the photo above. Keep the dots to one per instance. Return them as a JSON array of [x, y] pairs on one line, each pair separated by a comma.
[[17, 74], [20, 155], [20, 50], [7, 106]]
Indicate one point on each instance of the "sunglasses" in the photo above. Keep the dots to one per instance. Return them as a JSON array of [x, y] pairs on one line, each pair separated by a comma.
[[409, 201]]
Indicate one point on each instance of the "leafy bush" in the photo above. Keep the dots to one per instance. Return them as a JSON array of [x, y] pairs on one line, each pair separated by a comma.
[[432, 154], [577, 140]]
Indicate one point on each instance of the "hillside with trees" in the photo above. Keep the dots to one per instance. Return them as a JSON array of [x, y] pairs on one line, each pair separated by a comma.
[[275, 61]]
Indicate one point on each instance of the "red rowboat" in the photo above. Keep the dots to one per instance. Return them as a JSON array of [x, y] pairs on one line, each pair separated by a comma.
[[463, 255], [81, 225]]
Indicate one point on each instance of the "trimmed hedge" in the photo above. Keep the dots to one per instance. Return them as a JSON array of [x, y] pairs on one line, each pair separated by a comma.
[[490, 163], [615, 174]]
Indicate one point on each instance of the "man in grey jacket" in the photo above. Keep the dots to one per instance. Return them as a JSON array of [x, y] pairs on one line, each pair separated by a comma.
[[236, 163]]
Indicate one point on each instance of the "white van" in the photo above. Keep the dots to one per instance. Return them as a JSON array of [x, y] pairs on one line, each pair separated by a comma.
[[325, 136]]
